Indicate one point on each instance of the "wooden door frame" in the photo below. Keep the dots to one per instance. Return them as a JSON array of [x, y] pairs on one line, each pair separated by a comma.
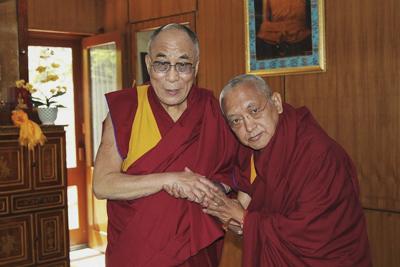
[[96, 238]]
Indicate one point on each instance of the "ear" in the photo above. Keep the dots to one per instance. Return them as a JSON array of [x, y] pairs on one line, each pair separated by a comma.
[[196, 68], [277, 102], [148, 62]]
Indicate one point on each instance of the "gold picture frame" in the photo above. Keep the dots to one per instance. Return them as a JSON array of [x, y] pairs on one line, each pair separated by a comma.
[[283, 40]]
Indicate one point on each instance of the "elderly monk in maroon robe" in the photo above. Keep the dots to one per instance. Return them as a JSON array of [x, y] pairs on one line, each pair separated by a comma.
[[165, 147], [284, 21], [303, 206]]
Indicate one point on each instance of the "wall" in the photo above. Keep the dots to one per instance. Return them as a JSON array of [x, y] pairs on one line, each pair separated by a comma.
[[75, 16], [9, 52], [140, 10], [357, 101], [115, 15]]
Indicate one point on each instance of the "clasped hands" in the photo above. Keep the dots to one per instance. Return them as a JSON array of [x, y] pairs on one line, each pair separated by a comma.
[[199, 189]]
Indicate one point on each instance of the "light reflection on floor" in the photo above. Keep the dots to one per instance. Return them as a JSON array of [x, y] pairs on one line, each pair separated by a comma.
[[87, 258]]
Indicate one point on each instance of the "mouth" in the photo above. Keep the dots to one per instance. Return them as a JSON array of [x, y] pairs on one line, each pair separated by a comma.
[[255, 138], [172, 92]]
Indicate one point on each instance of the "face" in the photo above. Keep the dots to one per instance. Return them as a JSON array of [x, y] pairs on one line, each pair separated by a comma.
[[174, 47], [251, 115]]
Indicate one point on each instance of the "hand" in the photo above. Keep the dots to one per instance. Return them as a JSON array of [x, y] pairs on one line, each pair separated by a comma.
[[235, 227], [189, 185], [224, 208]]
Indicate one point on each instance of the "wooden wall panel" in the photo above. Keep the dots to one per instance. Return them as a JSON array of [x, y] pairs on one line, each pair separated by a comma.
[[66, 16], [220, 28], [115, 15], [221, 31], [150, 9], [383, 233], [357, 100]]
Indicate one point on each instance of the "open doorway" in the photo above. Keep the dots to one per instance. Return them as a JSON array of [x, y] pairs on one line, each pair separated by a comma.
[[64, 52]]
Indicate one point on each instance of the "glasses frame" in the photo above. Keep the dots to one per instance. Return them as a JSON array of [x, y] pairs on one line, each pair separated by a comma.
[[255, 116], [192, 67]]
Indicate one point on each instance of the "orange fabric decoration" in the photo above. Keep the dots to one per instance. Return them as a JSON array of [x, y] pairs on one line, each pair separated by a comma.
[[30, 133]]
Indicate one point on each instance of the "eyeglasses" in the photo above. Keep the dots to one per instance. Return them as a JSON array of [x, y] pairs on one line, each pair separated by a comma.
[[165, 66], [254, 112]]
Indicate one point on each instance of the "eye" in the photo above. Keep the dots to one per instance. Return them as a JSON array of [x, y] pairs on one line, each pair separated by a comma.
[[254, 110], [161, 65], [234, 122], [184, 66]]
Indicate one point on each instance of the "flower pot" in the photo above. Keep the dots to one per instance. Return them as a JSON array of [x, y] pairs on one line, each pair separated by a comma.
[[47, 115]]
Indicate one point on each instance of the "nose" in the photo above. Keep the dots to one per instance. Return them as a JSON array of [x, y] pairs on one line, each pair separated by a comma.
[[249, 123], [172, 74]]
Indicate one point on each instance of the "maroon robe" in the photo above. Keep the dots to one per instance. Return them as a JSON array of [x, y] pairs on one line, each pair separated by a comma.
[[305, 208], [160, 230]]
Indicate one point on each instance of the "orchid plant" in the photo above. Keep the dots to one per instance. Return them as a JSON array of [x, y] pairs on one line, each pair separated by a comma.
[[46, 90]]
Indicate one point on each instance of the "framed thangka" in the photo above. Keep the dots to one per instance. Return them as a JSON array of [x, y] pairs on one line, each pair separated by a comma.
[[284, 36]]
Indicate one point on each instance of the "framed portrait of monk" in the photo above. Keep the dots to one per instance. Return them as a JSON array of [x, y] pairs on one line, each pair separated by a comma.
[[284, 36]]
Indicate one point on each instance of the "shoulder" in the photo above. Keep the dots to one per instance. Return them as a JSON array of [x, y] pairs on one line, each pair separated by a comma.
[[313, 138], [122, 101], [206, 93], [121, 94], [208, 96]]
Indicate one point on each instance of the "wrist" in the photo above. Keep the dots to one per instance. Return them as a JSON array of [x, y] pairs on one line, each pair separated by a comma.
[[167, 179]]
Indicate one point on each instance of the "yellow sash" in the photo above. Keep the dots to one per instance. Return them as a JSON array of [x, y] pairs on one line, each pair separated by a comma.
[[145, 133], [253, 172]]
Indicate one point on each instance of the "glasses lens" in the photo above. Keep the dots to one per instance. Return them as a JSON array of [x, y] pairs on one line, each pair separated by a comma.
[[159, 66], [183, 67], [163, 67]]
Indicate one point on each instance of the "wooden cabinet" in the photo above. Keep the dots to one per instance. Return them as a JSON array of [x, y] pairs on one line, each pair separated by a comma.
[[33, 201]]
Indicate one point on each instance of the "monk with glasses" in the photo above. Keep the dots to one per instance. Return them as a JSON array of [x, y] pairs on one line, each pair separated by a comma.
[[165, 147], [299, 197]]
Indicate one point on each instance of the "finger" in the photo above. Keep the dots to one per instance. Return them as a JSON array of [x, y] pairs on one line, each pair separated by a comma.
[[206, 202], [181, 192], [206, 190], [208, 183], [211, 212], [190, 196], [199, 194], [216, 214], [213, 200], [219, 192], [218, 200], [221, 197], [176, 191], [168, 190], [166, 187], [215, 207], [188, 170]]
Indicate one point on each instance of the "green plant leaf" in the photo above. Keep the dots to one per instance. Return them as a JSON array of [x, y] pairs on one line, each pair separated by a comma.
[[37, 103]]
